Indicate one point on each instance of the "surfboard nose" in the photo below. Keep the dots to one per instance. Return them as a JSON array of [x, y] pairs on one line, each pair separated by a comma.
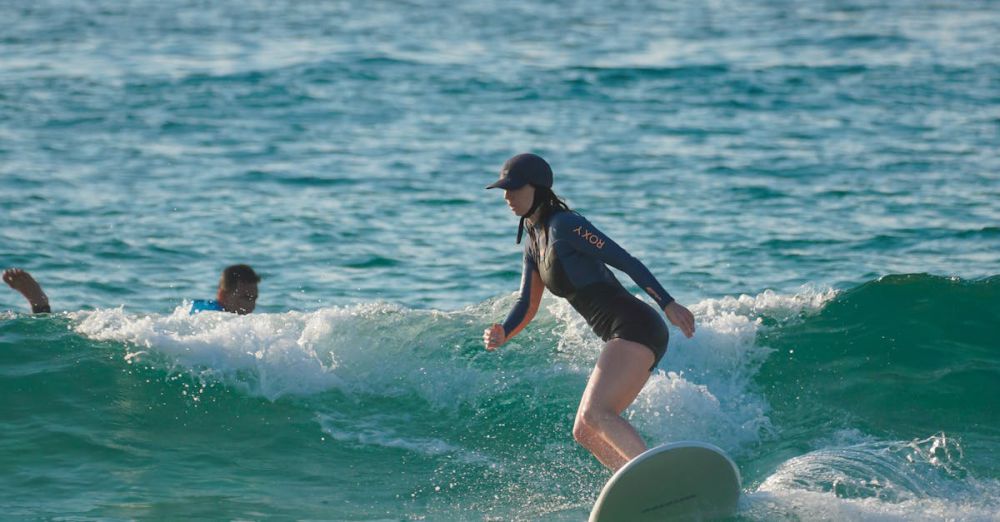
[[686, 480]]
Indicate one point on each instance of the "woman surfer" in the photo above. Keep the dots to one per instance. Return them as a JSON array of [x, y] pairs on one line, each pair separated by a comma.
[[570, 257]]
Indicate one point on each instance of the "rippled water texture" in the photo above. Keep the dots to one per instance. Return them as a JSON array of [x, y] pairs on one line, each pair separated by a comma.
[[342, 148], [818, 181]]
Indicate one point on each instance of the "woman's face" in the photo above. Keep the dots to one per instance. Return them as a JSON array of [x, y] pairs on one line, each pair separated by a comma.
[[520, 200]]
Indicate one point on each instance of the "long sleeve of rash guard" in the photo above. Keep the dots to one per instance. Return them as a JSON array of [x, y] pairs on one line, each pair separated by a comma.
[[587, 239], [528, 299]]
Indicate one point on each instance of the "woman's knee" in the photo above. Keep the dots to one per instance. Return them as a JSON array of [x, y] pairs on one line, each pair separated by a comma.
[[588, 423], [581, 432]]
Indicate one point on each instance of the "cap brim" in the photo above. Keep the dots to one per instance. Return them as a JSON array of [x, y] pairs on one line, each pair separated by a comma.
[[506, 184]]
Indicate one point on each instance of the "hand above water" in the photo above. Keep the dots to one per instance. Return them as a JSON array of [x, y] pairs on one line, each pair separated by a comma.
[[493, 337], [681, 317], [27, 286]]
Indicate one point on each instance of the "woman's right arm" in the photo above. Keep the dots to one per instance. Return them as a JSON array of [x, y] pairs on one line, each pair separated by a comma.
[[524, 309]]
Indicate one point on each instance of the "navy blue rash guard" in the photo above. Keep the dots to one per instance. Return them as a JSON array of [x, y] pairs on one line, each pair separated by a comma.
[[574, 264]]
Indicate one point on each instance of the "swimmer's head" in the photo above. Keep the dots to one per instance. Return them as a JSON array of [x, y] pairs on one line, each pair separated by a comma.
[[238, 289]]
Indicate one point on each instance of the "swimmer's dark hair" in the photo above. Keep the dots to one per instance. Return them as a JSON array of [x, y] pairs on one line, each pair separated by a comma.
[[236, 274]]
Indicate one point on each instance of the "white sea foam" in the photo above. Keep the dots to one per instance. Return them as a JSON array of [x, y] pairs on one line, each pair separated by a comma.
[[857, 477], [370, 348], [266, 354], [772, 304], [703, 389], [809, 505]]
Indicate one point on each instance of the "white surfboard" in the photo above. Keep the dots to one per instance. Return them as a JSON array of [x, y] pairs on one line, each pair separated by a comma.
[[679, 481]]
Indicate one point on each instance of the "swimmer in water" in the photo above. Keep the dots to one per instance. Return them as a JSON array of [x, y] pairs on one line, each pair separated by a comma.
[[566, 254], [237, 292]]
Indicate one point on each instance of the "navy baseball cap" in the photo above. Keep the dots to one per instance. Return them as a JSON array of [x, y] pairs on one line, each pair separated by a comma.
[[522, 170]]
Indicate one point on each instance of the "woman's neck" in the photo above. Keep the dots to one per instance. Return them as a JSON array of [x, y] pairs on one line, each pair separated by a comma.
[[536, 217]]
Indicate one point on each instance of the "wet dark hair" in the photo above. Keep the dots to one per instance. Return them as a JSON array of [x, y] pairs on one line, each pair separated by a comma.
[[550, 202], [546, 203], [236, 274]]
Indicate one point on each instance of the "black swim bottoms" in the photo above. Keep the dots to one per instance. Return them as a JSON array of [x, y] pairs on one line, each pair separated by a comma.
[[613, 313]]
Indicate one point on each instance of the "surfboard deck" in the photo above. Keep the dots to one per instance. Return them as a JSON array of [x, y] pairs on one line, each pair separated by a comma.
[[686, 480]]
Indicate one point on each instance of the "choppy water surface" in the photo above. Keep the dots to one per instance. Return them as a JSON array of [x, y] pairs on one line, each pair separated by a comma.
[[818, 181]]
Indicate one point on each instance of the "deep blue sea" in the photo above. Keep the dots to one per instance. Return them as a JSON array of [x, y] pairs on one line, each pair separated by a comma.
[[819, 181]]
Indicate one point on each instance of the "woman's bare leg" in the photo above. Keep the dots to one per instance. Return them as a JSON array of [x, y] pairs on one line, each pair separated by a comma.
[[621, 372], [600, 448]]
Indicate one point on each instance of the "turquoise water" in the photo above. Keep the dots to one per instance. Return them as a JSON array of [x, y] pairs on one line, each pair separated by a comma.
[[818, 181]]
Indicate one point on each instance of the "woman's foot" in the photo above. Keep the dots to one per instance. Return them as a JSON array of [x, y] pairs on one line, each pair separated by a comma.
[[27, 286]]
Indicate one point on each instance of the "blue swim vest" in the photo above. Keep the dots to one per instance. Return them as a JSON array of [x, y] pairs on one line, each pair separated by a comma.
[[205, 305]]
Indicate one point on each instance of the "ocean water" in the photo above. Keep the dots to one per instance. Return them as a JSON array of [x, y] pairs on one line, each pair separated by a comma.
[[818, 181]]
